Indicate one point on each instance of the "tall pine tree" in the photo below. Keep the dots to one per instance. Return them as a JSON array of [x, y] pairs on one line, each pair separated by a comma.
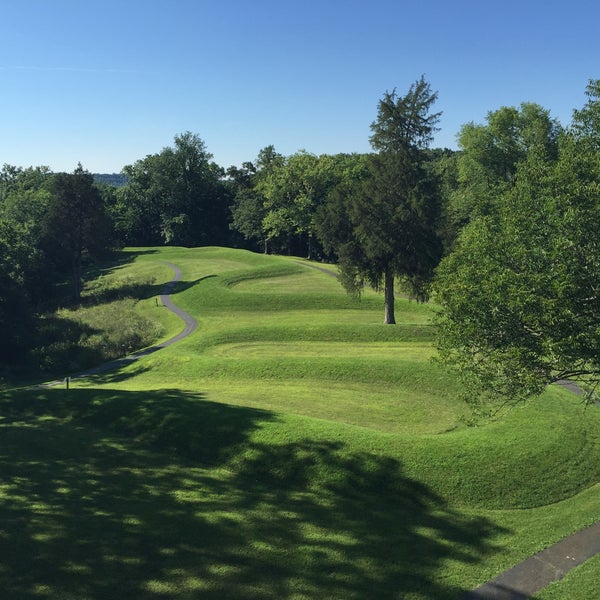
[[391, 215]]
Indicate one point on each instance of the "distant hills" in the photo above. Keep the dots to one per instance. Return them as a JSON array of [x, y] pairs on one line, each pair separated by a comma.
[[114, 179]]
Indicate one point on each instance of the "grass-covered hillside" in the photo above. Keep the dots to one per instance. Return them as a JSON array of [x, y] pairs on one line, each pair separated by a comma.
[[291, 447]]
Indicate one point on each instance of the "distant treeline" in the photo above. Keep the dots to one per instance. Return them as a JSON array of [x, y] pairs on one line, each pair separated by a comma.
[[509, 222], [114, 179]]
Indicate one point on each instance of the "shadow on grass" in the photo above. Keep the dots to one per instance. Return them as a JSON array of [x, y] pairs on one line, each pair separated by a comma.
[[164, 495], [98, 291]]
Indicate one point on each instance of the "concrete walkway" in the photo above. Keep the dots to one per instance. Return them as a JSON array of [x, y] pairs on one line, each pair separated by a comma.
[[190, 322], [535, 573]]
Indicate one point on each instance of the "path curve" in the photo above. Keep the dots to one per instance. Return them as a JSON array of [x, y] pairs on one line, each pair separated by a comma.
[[190, 325], [165, 298]]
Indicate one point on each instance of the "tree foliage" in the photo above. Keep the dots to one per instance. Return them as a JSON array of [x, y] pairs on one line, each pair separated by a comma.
[[50, 225], [277, 200], [390, 219], [16, 312], [249, 208], [520, 292], [174, 197], [491, 153], [293, 191], [75, 225]]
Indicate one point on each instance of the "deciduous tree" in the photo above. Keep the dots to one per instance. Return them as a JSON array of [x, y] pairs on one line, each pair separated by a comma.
[[491, 153], [293, 191], [75, 225], [174, 197], [520, 295]]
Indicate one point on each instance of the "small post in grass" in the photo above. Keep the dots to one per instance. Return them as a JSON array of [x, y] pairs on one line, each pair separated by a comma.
[[67, 381]]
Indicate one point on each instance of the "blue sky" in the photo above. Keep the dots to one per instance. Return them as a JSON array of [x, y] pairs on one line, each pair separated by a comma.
[[106, 83]]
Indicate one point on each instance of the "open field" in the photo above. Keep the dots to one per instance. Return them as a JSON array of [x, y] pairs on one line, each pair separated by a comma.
[[292, 447]]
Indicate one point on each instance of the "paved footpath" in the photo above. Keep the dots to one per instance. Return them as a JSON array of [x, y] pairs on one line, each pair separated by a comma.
[[165, 298], [190, 322], [535, 573]]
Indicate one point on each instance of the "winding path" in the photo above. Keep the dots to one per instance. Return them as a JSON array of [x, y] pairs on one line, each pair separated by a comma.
[[165, 298]]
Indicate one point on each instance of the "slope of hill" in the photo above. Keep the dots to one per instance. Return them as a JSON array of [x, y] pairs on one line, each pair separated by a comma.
[[291, 447]]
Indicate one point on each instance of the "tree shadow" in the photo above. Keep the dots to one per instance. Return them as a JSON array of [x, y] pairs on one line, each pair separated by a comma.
[[118, 259], [116, 371], [139, 290], [99, 290], [110, 494]]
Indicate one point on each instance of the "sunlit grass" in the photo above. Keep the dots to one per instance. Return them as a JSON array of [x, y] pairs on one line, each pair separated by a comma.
[[292, 447], [266, 350]]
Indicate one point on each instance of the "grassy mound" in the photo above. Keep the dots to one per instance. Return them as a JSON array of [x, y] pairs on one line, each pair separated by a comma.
[[292, 447], [278, 335], [543, 456]]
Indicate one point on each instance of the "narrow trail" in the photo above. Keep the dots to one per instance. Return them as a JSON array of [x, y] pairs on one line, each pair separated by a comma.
[[190, 325], [165, 298]]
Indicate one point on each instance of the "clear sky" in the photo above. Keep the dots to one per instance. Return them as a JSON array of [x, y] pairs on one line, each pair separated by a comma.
[[106, 83]]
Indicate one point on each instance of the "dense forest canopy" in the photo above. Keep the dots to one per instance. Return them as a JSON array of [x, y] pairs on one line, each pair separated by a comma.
[[503, 231]]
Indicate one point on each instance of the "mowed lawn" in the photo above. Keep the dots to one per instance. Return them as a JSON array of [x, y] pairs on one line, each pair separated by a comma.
[[292, 447]]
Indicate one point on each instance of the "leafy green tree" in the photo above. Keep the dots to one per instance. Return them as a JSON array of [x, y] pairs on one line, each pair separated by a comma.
[[248, 213], [491, 153], [16, 311], [586, 121], [248, 210], [333, 225], [293, 190], [389, 228], [442, 165], [75, 226], [519, 293], [277, 200], [16, 179], [174, 197], [25, 202]]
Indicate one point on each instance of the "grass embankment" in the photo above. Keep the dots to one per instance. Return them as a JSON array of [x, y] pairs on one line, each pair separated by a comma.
[[293, 447], [113, 318]]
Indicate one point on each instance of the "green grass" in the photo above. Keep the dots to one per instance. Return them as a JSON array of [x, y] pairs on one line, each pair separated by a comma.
[[116, 315], [293, 447]]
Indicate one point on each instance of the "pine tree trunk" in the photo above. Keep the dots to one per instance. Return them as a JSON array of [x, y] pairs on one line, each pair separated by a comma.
[[389, 318]]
